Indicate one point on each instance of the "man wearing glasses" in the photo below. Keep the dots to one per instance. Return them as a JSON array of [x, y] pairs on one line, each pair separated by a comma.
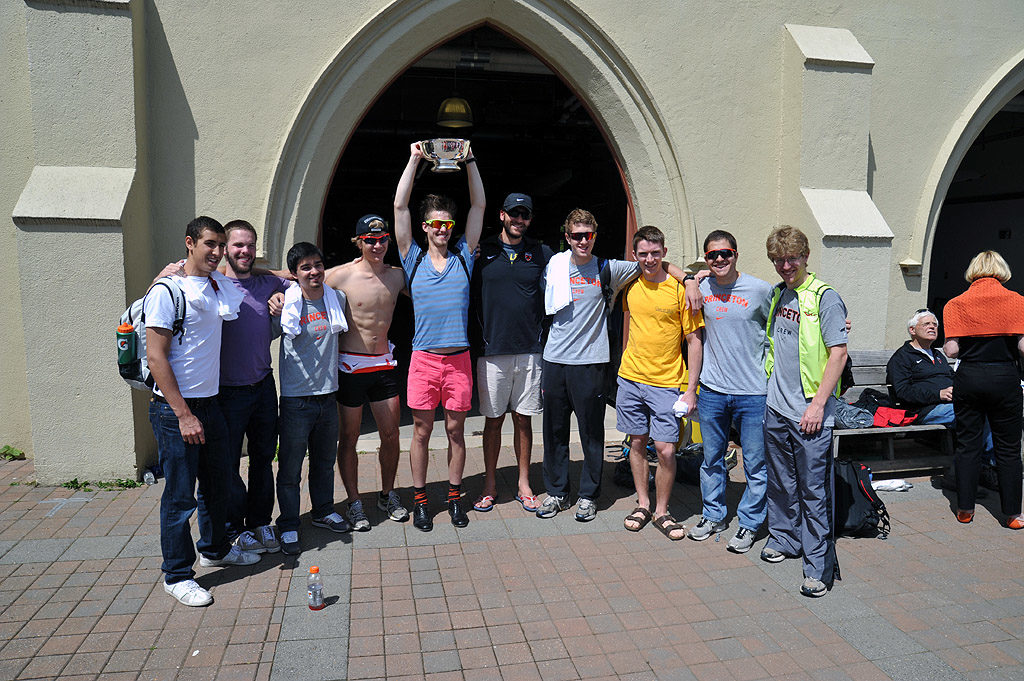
[[733, 386], [510, 308], [439, 369], [807, 338], [366, 366]]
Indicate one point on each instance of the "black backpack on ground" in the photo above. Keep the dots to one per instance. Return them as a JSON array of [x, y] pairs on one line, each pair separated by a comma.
[[859, 511]]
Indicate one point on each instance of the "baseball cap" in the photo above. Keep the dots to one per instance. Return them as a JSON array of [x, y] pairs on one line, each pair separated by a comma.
[[371, 224], [517, 200]]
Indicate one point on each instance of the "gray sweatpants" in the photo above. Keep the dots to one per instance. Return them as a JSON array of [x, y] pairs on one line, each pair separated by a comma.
[[800, 493]]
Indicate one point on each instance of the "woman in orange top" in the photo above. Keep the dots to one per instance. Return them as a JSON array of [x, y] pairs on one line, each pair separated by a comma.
[[985, 328]]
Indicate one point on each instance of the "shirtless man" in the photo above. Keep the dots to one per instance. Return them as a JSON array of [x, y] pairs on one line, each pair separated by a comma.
[[365, 366]]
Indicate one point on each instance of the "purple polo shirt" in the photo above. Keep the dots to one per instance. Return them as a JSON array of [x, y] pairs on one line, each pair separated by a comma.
[[245, 345]]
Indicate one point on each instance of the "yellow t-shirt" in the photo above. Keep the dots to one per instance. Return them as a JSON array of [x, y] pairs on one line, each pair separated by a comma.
[[658, 322]]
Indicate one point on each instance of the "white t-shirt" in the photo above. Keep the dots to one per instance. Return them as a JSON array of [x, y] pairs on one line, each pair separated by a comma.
[[195, 361]]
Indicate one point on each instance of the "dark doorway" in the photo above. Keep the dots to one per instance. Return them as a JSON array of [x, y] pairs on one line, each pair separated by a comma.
[[531, 133], [982, 208]]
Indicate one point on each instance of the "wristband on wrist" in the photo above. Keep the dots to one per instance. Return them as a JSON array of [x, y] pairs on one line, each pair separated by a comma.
[[471, 160], [689, 277]]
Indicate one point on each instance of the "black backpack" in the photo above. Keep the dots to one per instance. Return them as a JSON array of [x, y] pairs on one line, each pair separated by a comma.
[[859, 511]]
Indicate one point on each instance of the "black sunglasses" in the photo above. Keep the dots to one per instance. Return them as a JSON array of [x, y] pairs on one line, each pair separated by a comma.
[[724, 253], [519, 213]]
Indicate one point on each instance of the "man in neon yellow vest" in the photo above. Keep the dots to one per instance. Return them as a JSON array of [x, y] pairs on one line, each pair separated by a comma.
[[806, 353]]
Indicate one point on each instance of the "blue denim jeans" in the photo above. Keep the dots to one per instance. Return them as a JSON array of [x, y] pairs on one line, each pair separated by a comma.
[[184, 465], [311, 423], [250, 411], [717, 411], [943, 413]]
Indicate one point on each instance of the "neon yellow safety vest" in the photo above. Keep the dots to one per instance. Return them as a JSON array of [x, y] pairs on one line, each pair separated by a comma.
[[812, 351]]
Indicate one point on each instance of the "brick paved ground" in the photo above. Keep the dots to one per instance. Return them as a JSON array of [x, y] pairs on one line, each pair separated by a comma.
[[509, 597]]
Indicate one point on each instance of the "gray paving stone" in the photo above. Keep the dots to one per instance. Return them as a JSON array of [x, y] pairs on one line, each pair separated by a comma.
[[6, 546], [443, 533], [299, 622], [875, 638], [141, 546], [532, 526], [919, 667], [322, 659], [36, 551], [840, 604], [90, 548], [441, 661]]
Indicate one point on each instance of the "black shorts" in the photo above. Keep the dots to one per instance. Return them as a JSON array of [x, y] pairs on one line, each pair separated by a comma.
[[355, 390]]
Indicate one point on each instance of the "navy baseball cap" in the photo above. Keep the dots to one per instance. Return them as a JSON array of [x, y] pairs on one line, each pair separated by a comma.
[[371, 224], [517, 201]]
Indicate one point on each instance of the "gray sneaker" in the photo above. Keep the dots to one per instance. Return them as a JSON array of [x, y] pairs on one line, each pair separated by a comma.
[[552, 505], [266, 536], [247, 541], [586, 510], [772, 556], [357, 517], [392, 505], [742, 542], [235, 556], [705, 528], [813, 587]]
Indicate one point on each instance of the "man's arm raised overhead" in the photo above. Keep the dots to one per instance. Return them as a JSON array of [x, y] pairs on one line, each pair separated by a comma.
[[478, 203], [403, 218]]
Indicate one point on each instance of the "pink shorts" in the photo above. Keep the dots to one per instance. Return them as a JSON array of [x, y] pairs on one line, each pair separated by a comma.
[[447, 379]]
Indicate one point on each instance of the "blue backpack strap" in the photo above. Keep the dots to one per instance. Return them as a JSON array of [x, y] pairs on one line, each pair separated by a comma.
[[419, 259]]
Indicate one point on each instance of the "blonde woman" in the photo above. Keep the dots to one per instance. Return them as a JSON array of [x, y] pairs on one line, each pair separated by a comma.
[[985, 330]]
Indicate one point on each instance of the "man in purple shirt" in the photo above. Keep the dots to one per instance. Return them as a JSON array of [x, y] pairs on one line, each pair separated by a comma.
[[248, 395]]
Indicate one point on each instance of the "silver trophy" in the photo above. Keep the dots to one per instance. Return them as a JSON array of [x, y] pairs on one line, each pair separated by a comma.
[[445, 153]]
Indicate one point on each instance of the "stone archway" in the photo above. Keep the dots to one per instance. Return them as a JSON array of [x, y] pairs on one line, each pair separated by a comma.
[[990, 99], [556, 31]]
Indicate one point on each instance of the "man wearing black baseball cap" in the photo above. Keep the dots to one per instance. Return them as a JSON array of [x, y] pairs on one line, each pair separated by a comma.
[[366, 366], [510, 308]]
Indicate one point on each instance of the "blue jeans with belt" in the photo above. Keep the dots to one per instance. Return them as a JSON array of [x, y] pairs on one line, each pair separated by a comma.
[[184, 465], [309, 422]]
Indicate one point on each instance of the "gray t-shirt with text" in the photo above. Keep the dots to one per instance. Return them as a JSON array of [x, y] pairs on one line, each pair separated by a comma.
[[579, 331], [785, 393], [309, 362], [734, 335]]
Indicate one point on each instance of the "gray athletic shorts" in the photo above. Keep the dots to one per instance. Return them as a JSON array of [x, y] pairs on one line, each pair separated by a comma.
[[509, 383], [643, 409]]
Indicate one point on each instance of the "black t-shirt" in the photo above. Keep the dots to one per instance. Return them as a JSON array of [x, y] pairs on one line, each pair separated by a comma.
[[508, 296]]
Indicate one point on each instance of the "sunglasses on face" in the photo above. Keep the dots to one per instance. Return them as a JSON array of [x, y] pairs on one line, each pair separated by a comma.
[[440, 224], [789, 260], [520, 213], [371, 240], [724, 253], [584, 237]]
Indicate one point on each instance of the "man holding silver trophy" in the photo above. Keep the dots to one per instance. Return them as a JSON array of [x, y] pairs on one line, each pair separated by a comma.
[[438, 279]]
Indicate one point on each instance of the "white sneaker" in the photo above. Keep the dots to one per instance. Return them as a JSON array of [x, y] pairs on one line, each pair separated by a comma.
[[235, 556], [189, 593]]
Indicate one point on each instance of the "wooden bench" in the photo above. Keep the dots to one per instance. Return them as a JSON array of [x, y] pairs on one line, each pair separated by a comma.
[[869, 372]]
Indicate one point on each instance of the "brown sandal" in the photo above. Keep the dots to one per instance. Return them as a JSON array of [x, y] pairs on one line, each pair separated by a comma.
[[667, 524], [641, 516]]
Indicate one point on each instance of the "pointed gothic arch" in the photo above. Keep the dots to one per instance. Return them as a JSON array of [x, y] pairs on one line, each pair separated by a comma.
[[390, 42]]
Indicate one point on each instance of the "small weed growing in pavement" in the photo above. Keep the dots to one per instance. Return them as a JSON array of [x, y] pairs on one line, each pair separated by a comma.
[[12, 453], [86, 486]]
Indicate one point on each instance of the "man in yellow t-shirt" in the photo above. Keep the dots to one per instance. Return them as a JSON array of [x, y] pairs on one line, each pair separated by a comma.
[[651, 374]]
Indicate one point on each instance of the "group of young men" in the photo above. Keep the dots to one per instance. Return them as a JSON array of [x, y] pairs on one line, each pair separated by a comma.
[[767, 360]]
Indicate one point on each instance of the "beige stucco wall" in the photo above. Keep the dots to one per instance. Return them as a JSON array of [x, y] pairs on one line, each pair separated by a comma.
[[241, 113], [17, 154]]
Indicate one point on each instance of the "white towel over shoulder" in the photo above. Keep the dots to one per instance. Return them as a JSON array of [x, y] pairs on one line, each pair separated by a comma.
[[229, 298], [293, 310], [557, 291]]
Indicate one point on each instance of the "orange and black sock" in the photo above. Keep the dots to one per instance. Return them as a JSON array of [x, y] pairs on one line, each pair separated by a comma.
[[419, 495], [454, 492]]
